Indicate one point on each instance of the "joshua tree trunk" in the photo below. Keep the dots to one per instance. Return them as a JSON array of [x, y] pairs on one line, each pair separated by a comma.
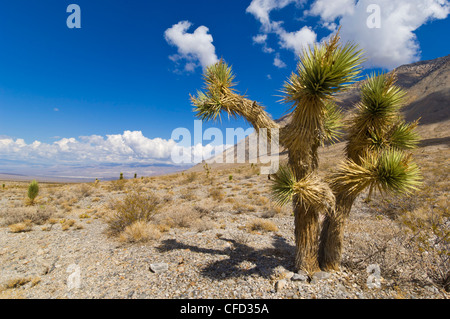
[[306, 219], [332, 234], [306, 239]]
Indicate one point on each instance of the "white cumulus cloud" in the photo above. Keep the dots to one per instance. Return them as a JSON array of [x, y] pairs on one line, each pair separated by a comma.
[[331, 9], [392, 44], [298, 40], [278, 62], [196, 48], [291, 40], [129, 147]]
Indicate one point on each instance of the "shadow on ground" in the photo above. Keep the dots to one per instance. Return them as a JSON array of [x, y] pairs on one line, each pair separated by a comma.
[[262, 261]]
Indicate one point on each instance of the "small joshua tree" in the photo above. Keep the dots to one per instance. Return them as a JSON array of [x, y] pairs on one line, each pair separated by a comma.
[[121, 176], [33, 191], [323, 71]]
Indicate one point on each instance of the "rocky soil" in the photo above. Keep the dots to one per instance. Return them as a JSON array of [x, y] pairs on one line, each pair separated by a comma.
[[228, 262]]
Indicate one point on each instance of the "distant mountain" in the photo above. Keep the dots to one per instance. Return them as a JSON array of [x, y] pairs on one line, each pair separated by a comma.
[[428, 87]]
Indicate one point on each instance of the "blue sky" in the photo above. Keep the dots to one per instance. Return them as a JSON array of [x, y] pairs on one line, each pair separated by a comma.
[[132, 64]]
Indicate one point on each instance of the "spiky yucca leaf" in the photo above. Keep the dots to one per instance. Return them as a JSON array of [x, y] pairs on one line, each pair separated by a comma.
[[380, 97], [283, 186], [218, 85], [333, 123], [389, 172], [310, 191], [373, 123], [381, 102], [220, 97], [403, 135], [206, 108], [219, 76], [323, 70]]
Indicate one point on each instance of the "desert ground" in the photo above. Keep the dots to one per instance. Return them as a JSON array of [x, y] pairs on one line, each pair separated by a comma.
[[213, 232]]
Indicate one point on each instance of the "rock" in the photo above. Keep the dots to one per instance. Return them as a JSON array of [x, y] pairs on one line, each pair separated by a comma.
[[288, 275], [280, 284], [318, 276], [74, 279], [159, 268], [374, 279], [432, 289], [300, 276]]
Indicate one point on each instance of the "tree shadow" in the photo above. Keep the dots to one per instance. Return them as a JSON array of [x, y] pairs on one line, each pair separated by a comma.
[[435, 141], [262, 262]]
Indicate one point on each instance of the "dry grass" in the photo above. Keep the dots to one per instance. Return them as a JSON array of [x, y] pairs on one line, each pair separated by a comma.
[[190, 177], [262, 225], [242, 208], [140, 231], [66, 224], [22, 227], [181, 217], [187, 194], [18, 282], [84, 190]]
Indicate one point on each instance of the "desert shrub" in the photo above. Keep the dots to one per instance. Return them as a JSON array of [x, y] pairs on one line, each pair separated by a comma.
[[425, 220], [117, 185], [17, 282], [241, 208], [202, 225], [430, 235], [66, 224], [187, 194], [216, 194], [22, 227], [190, 177], [84, 190], [182, 217], [36, 215], [132, 208], [140, 231], [271, 212], [262, 225]]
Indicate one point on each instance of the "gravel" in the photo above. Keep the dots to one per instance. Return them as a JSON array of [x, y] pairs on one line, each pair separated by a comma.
[[228, 262]]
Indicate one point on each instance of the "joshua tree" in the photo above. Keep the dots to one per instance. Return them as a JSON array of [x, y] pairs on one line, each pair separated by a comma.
[[33, 191], [376, 159], [323, 71]]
